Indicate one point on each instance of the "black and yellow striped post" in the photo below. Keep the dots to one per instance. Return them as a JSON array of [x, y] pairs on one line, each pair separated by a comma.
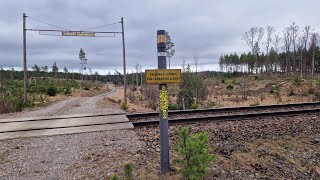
[[163, 114]]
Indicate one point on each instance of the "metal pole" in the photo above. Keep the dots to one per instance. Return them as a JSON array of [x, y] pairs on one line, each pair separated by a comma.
[[25, 83], [124, 64], [163, 114]]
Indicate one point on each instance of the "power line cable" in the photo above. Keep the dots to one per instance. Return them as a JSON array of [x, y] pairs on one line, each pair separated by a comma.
[[101, 26], [48, 23]]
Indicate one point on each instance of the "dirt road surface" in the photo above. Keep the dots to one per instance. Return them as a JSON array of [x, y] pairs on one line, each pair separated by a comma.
[[60, 157], [72, 105]]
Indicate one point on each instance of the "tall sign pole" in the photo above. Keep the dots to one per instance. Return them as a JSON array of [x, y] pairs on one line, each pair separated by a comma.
[[25, 83], [163, 114], [124, 64]]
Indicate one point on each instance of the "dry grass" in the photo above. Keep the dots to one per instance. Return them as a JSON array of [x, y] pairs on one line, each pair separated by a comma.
[[261, 91], [140, 105]]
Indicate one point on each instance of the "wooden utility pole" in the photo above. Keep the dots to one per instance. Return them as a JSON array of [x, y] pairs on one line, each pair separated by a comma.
[[25, 83], [124, 64]]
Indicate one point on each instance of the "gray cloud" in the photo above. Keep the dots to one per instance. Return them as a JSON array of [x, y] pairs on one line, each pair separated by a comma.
[[210, 27]]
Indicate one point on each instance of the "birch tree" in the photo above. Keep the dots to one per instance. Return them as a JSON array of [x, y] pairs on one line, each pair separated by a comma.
[[287, 39], [253, 38], [294, 33], [306, 32], [275, 42], [270, 31]]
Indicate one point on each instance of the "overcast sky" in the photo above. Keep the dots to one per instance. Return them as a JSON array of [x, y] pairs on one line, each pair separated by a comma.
[[209, 27]]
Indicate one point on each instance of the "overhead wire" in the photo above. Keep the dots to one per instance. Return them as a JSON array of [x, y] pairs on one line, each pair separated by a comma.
[[59, 27], [48, 23], [101, 26]]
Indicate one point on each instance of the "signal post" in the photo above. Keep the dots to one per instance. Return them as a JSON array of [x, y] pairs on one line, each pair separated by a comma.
[[163, 76]]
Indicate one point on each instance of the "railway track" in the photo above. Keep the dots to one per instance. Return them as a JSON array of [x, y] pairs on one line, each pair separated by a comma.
[[223, 114]]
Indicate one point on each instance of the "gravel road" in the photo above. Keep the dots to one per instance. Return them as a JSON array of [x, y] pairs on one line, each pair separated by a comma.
[[72, 105], [68, 156]]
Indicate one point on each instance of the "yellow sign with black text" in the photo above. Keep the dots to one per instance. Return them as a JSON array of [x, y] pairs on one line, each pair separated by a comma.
[[78, 33], [163, 76]]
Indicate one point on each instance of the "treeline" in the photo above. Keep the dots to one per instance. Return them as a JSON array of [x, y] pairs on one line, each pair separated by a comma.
[[18, 75], [38, 72], [290, 50], [276, 62]]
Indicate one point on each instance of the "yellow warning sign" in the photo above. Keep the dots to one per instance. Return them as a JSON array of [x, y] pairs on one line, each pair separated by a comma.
[[78, 33], [163, 76]]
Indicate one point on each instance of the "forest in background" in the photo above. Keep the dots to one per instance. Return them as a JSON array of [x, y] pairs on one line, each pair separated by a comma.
[[293, 50]]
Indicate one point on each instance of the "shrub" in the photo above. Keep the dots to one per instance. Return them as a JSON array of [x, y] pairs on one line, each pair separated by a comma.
[[256, 103], [124, 106], [187, 90], [132, 97], [114, 177], [151, 93], [194, 106], [297, 82], [304, 94], [311, 91], [86, 85], [230, 87], [211, 104], [223, 81], [201, 90], [274, 89], [172, 106], [193, 153], [52, 91], [67, 91], [128, 169], [291, 93], [19, 105]]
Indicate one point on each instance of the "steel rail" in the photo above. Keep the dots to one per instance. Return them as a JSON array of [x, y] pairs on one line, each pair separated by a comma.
[[227, 109], [231, 117]]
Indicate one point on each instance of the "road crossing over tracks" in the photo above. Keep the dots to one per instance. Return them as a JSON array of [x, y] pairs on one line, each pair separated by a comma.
[[56, 125]]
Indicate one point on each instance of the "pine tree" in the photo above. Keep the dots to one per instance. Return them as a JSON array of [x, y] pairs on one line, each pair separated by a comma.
[[169, 48], [55, 69], [193, 151], [83, 61]]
